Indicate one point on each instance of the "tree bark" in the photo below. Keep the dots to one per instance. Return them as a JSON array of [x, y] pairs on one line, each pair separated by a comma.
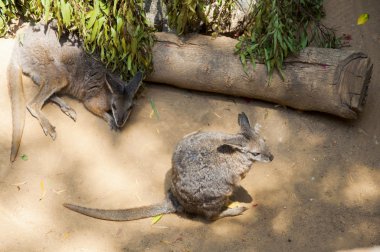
[[318, 79]]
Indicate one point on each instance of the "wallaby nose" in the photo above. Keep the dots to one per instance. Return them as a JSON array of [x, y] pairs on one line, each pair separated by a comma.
[[120, 123], [271, 157]]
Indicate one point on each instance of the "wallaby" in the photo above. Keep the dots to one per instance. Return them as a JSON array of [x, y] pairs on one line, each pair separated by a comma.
[[206, 168], [62, 67]]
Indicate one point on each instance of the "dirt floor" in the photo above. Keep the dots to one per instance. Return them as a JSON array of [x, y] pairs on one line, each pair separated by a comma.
[[321, 192]]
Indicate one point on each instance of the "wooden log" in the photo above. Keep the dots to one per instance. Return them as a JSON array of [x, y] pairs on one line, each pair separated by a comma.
[[327, 80]]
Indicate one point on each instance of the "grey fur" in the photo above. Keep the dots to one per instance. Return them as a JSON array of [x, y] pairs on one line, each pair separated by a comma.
[[207, 167]]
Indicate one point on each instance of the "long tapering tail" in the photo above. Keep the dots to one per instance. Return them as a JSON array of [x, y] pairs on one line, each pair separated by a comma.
[[125, 214], [16, 93]]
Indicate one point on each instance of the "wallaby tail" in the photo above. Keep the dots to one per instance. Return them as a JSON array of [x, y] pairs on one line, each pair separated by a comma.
[[16, 93], [126, 214]]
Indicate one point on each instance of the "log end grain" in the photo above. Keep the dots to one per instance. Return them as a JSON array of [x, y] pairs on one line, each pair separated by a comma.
[[352, 78]]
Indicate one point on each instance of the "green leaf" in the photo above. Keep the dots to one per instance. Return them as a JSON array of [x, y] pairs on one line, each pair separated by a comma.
[[123, 44], [275, 40], [129, 62], [278, 66], [119, 23], [114, 7], [46, 5], [153, 105], [363, 18], [156, 219], [279, 37], [114, 36], [66, 12], [303, 40], [93, 15], [24, 157], [102, 56], [94, 31], [104, 8], [129, 16], [267, 60], [290, 46], [101, 22], [244, 62], [134, 46]]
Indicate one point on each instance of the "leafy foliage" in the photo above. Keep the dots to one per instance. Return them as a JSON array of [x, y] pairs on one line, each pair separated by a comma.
[[185, 16], [220, 15], [190, 15], [278, 28], [275, 28], [116, 30], [12, 9]]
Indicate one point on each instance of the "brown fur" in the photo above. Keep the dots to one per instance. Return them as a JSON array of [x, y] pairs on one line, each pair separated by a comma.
[[61, 67]]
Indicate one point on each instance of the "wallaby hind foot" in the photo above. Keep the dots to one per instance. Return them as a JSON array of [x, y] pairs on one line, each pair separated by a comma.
[[64, 107], [229, 212], [44, 122]]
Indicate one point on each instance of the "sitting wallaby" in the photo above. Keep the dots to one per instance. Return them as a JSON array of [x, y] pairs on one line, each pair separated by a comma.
[[207, 167], [62, 67]]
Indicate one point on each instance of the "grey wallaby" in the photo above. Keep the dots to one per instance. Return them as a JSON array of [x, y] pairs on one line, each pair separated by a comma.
[[62, 67], [206, 168]]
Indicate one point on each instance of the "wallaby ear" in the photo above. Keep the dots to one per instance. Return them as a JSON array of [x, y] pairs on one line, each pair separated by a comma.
[[243, 120], [228, 148], [114, 85], [134, 84], [244, 124]]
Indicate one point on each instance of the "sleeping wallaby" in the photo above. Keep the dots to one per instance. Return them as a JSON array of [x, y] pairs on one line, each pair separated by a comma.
[[62, 67], [207, 166]]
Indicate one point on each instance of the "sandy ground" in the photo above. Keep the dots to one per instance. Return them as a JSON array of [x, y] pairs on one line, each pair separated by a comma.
[[321, 192]]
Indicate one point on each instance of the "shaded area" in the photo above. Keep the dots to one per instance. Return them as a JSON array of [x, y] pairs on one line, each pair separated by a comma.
[[321, 192]]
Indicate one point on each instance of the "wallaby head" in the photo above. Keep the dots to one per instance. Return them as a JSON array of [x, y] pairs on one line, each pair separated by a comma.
[[252, 143], [122, 97]]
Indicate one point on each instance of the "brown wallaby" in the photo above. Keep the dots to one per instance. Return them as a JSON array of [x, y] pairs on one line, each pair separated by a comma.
[[207, 167], [62, 67]]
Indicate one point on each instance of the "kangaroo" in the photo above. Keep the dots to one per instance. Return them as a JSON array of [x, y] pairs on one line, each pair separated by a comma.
[[206, 168], [62, 67]]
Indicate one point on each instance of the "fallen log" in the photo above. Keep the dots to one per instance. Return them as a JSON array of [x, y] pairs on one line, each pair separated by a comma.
[[318, 79]]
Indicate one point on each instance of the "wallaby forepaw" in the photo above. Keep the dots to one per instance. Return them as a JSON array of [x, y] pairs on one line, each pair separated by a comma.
[[71, 113], [113, 126]]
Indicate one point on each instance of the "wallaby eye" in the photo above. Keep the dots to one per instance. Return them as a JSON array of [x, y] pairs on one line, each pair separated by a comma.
[[113, 106], [255, 153]]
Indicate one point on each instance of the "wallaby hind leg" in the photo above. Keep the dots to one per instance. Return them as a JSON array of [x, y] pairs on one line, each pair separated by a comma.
[[35, 106], [232, 212], [64, 107]]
